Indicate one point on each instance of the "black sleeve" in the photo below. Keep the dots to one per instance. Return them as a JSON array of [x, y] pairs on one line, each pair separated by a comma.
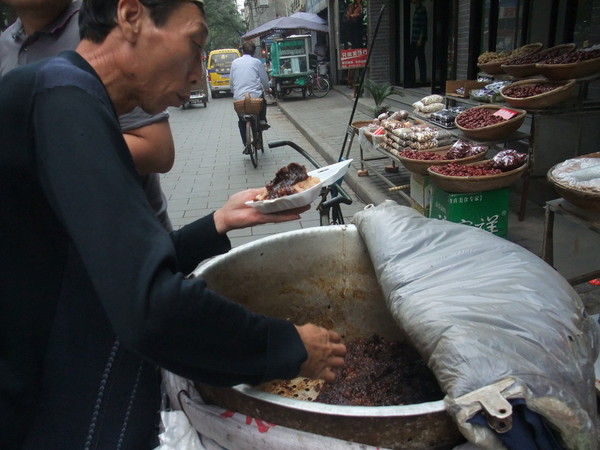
[[197, 241], [136, 267]]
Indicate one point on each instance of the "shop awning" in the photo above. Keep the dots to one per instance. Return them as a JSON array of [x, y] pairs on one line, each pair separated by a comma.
[[311, 17], [285, 24]]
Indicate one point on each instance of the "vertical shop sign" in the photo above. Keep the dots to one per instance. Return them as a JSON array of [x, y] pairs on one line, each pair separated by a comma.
[[352, 36]]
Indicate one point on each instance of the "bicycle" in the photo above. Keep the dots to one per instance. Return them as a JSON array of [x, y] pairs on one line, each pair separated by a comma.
[[330, 211], [318, 84], [254, 138], [248, 110]]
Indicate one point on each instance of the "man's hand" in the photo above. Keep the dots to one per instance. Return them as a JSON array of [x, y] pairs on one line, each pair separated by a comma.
[[325, 352], [236, 214]]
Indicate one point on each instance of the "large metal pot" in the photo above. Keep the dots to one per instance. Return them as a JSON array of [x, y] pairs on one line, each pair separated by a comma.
[[321, 275]]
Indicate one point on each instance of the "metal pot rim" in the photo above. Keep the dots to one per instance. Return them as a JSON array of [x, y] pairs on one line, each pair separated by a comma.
[[338, 410]]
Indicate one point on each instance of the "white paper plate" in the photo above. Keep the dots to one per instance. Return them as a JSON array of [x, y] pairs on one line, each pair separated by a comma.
[[327, 175]]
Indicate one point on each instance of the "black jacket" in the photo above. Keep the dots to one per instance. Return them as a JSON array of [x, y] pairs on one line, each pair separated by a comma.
[[93, 294]]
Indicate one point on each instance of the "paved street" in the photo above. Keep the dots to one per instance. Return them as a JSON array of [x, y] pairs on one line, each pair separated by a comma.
[[209, 165]]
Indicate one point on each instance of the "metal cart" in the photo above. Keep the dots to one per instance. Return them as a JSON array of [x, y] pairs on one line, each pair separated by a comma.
[[290, 65]]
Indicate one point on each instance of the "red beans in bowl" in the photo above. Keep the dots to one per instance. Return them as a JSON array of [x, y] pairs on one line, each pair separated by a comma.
[[478, 118], [463, 170]]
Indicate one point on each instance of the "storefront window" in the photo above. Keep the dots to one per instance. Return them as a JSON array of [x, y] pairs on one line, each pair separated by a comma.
[[586, 32], [501, 29]]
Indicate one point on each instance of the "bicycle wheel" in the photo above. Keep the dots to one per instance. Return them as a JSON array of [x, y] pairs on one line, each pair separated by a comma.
[[250, 146], [320, 87], [259, 140]]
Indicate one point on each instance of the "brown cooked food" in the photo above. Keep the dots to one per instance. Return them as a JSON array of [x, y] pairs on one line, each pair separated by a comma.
[[288, 180], [381, 373], [376, 373]]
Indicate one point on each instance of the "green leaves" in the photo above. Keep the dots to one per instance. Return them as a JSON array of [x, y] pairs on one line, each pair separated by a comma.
[[225, 24], [380, 92]]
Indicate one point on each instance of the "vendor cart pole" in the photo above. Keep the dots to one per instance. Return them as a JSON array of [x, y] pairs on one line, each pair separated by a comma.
[[350, 129]]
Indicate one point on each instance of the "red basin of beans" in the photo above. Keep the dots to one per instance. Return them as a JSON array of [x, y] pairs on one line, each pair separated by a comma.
[[478, 118]]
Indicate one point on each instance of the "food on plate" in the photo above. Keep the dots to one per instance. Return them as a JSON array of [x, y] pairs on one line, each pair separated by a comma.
[[288, 180]]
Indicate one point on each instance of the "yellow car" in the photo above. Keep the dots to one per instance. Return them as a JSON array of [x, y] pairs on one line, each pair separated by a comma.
[[219, 67]]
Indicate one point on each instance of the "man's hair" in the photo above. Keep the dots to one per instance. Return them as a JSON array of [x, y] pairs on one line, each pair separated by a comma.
[[248, 48], [98, 17]]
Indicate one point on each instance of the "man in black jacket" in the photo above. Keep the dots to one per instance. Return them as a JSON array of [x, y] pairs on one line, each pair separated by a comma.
[[93, 294]]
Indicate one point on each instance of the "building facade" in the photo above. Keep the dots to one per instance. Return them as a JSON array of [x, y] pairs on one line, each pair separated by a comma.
[[457, 32]]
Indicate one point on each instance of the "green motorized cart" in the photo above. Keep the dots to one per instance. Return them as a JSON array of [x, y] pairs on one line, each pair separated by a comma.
[[290, 65]]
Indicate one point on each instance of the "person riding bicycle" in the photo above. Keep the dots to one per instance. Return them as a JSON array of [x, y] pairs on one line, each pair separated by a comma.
[[248, 75]]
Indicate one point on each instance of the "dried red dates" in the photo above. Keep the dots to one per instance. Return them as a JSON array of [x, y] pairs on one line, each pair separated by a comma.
[[504, 161], [529, 90], [478, 118], [464, 170], [420, 155]]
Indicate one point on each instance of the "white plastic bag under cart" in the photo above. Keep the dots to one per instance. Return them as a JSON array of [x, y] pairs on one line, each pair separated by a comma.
[[482, 310], [220, 429]]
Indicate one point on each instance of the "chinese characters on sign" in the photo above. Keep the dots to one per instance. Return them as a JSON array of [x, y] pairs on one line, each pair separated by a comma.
[[489, 223], [353, 58]]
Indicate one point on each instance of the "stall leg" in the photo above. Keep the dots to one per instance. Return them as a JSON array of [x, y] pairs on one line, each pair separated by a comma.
[[548, 244]]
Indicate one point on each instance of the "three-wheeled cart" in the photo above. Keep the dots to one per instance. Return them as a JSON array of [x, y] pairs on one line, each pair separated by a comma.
[[290, 66]]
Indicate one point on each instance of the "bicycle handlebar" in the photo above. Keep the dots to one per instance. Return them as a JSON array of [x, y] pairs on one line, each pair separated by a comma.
[[335, 188]]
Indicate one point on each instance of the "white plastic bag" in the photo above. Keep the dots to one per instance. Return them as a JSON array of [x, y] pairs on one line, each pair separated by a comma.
[[178, 433], [221, 429], [481, 309]]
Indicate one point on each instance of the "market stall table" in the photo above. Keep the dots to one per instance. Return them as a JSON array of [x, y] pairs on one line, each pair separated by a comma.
[[588, 219], [366, 146]]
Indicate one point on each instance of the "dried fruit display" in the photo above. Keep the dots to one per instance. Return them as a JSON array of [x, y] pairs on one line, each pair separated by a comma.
[[465, 170], [504, 161], [478, 118], [538, 57], [529, 90], [574, 57]]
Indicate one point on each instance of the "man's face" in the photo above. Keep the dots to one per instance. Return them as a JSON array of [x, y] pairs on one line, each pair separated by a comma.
[[169, 58]]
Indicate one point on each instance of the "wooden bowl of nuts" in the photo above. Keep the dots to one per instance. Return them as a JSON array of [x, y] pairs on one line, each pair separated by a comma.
[[466, 183], [418, 161], [491, 62], [537, 93], [485, 122], [577, 64], [525, 66]]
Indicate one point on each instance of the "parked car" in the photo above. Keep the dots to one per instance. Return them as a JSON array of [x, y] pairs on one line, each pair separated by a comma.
[[197, 95]]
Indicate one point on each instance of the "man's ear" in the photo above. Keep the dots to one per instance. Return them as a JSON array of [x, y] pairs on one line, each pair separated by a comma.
[[129, 18]]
